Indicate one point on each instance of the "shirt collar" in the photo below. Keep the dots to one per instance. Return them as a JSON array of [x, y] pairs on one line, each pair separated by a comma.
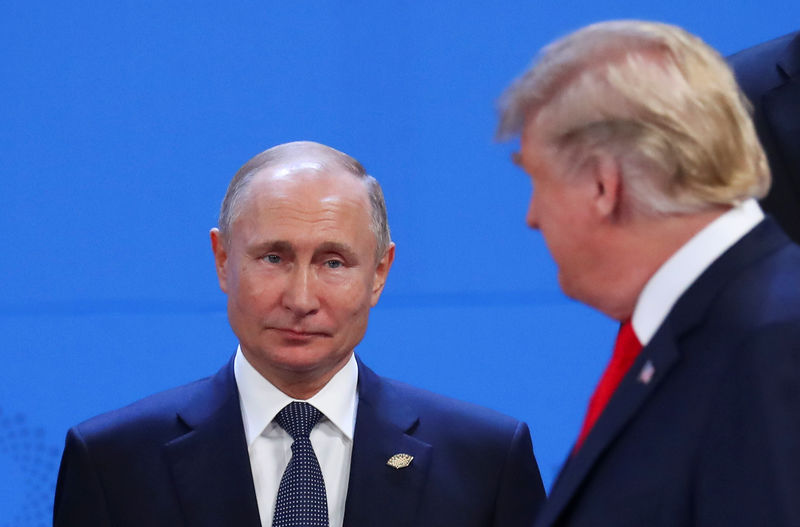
[[261, 401], [686, 265]]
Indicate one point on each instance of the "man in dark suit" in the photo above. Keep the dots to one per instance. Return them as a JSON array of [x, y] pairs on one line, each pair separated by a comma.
[[769, 75], [295, 430], [646, 169]]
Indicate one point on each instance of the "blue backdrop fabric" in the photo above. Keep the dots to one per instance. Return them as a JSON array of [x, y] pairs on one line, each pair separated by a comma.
[[124, 121]]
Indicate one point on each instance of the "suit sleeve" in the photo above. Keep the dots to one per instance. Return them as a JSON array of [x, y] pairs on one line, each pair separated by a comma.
[[749, 472], [521, 492], [79, 500]]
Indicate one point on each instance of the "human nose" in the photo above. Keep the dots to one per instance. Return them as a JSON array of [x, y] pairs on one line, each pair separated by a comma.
[[300, 297]]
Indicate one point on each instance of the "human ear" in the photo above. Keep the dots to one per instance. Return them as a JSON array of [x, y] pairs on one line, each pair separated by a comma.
[[220, 257], [381, 273]]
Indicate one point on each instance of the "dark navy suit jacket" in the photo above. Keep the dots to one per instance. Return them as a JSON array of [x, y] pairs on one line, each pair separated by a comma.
[[770, 76], [709, 433], [179, 458]]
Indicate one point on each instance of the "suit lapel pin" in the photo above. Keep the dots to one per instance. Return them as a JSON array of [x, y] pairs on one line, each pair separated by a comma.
[[647, 372], [399, 461]]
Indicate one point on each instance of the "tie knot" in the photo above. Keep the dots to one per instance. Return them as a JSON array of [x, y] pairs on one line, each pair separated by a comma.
[[298, 419]]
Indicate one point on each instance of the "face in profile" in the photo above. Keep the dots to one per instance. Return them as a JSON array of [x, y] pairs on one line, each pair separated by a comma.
[[300, 272], [561, 209]]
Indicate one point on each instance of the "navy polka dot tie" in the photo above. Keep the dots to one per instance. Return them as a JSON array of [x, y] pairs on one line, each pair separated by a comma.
[[301, 495]]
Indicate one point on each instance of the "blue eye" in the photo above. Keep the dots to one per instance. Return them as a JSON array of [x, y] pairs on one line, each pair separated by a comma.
[[272, 258], [333, 264]]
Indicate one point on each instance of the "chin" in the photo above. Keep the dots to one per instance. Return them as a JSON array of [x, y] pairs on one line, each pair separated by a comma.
[[567, 286], [572, 288], [283, 358], [300, 360]]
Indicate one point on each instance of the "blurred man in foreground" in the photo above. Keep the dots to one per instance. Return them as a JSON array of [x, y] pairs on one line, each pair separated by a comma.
[[295, 430], [646, 169]]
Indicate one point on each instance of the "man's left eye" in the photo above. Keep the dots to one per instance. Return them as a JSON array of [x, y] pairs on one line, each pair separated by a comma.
[[333, 264]]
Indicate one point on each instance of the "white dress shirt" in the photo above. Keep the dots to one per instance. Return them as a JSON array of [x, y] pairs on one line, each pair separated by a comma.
[[684, 267], [270, 446]]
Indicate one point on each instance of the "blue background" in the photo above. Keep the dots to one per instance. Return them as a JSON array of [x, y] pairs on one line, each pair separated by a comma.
[[122, 123]]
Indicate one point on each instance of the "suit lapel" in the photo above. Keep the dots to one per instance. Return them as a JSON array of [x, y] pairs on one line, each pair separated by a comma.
[[658, 357], [662, 353], [210, 463], [789, 61], [377, 493]]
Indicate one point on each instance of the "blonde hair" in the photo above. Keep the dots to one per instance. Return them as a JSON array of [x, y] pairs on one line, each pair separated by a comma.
[[658, 99]]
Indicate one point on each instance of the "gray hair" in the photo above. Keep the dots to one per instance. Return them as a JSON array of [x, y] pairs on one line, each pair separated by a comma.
[[655, 97], [325, 157]]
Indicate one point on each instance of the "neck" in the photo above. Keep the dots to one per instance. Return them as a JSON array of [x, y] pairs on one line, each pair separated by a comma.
[[640, 249], [301, 384]]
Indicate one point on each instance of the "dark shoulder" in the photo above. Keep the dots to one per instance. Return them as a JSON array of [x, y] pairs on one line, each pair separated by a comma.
[[754, 330], [448, 411], [758, 302], [155, 415], [756, 67], [766, 293], [770, 48]]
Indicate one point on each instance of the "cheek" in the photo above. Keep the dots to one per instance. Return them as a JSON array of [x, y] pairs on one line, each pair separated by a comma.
[[348, 296], [564, 241], [256, 292]]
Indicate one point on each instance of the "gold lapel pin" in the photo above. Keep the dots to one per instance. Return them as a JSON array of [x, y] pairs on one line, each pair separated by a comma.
[[399, 461]]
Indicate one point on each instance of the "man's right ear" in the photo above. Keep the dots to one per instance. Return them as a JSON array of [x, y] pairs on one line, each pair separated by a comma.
[[220, 257]]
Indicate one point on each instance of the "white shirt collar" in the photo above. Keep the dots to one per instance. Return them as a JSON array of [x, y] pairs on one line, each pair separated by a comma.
[[686, 265], [261, 401]]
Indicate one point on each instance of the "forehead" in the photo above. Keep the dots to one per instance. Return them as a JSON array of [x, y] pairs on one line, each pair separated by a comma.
[[305, 180], [304, 195]]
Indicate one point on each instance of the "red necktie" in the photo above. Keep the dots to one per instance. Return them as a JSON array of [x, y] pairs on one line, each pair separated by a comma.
[[626, 349]]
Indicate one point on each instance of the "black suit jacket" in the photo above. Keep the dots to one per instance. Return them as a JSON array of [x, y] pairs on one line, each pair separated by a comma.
[[712, 437], [179, 458], [769, 74]]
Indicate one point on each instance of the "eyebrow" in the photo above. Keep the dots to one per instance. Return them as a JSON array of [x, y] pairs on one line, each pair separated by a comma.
[[336, 247], [280, 246]]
